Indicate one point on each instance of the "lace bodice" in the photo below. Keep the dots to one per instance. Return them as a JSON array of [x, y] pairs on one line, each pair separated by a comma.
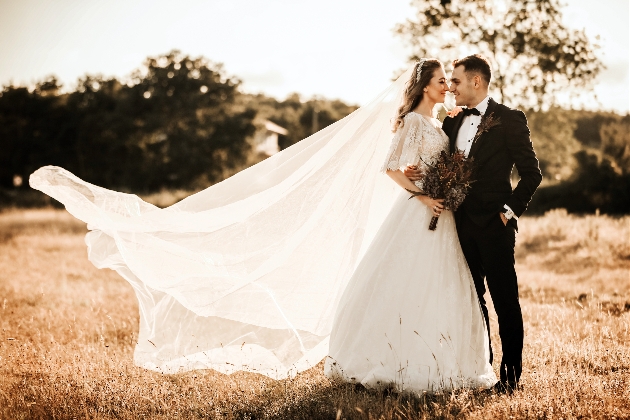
[[417, 142]]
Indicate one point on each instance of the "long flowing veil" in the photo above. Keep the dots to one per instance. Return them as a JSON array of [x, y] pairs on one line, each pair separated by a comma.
[[247, 274]]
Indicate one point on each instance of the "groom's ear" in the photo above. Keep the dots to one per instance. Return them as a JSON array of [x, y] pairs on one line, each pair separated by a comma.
[[477, 82]]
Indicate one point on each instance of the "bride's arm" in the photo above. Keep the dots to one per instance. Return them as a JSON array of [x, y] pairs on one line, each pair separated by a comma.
[[392, 164], [399, 178]]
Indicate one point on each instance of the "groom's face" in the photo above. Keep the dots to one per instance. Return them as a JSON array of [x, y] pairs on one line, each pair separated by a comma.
[[462, 87]]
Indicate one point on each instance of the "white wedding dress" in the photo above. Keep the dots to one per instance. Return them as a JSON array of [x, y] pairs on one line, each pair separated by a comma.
[[409, 317], [247, 274]]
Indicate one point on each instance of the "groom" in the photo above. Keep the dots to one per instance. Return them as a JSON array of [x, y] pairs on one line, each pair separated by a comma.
[[497, 137]]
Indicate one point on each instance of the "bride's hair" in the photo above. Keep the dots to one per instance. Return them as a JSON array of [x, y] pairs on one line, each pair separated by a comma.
[[414, 90]]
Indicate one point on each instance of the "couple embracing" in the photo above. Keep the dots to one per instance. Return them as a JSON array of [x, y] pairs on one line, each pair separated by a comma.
[[413, 316]]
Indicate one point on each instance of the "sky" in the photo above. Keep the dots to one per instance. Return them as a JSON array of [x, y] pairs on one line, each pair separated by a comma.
[[342, 49]]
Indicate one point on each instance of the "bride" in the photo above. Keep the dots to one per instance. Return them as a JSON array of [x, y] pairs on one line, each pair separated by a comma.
[[409, 316], [248, 274]]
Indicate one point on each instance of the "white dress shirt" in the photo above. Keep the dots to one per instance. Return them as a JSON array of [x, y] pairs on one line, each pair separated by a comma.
[[469, 127]]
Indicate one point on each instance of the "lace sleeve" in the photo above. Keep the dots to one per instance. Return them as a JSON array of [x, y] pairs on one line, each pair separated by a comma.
[[404, 137]]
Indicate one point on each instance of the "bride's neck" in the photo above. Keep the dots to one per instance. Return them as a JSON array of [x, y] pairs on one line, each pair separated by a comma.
[[425, 107]]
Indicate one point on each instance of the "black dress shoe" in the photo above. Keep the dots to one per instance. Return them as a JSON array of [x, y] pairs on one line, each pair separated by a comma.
[[359, 387], [505, 387]]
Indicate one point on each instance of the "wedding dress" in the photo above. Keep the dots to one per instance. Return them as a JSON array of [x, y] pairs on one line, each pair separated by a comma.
[[409, 317], [247, 274]]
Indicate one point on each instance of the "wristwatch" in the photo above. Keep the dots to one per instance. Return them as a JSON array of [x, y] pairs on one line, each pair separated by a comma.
[[508, 213]]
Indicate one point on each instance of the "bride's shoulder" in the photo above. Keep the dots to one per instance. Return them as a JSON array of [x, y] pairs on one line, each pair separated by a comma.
[[415, 118]]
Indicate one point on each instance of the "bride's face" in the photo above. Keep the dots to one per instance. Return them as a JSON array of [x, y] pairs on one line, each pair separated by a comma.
[[437, 87]]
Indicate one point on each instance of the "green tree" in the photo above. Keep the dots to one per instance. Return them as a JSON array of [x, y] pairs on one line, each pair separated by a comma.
[[99, 137], [300, 117], [601, 177], [33, 125], [589, 125], [190, 126], [534, 56], [552, 133], [177, 123], [615, 144]]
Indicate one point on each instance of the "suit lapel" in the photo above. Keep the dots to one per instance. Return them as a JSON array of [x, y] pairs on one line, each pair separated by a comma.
[[457, 124], [475, 146]]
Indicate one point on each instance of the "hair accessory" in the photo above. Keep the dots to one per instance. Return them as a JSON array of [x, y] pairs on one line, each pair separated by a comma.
[[419, 71]]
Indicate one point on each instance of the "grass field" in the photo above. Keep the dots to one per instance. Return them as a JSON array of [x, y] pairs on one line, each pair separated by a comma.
[[68, 333]]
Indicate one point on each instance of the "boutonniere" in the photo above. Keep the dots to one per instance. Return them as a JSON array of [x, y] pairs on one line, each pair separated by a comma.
[[487, 122]]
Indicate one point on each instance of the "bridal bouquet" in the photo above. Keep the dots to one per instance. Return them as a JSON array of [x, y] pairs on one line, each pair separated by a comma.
[[450, 179]]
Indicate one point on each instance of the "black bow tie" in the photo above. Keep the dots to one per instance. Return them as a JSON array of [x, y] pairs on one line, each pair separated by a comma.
[[471, 111]]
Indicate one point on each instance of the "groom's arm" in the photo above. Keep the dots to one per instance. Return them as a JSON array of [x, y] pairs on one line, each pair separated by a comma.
[[447, 125], [522, 151]]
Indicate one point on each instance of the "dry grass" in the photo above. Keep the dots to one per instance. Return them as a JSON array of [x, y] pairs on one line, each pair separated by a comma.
[[68, 332]]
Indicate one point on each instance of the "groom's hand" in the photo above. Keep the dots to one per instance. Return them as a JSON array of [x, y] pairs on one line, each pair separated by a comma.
[[413, 173], [503, 219]]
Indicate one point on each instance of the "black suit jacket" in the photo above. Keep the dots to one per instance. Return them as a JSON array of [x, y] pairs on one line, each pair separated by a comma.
[[495, 153]]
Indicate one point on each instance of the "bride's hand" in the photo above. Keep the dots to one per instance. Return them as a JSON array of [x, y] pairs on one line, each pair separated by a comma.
[[436, 206], [413, 173], [453, 112]]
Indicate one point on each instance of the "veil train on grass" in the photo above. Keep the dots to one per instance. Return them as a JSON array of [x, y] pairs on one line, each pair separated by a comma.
[[246, 274]]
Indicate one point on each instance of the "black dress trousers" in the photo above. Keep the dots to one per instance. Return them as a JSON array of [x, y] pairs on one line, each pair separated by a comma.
[[489, 251]]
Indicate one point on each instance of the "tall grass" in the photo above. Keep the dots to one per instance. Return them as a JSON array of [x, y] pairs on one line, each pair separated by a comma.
[[68, 333]]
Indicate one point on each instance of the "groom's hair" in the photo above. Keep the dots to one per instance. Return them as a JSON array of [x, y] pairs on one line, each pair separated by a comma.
[[476, 63]]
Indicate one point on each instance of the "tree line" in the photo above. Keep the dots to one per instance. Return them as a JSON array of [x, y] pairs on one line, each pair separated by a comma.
[[178, 122], [585, 160], [183, 123]]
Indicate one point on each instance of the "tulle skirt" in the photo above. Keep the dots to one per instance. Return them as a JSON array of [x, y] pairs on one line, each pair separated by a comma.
[[409, 317]]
